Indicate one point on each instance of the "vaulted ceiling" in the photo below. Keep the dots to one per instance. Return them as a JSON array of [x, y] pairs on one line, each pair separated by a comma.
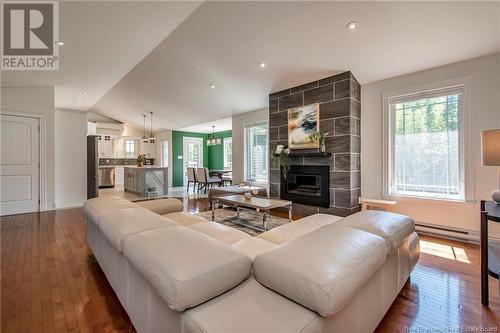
[[164, 57]]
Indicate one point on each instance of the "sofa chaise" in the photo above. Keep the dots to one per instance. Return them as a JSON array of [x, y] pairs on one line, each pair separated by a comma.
[[176, 272]]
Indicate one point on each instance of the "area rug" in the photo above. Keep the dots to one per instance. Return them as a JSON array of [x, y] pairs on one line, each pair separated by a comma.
[[227, 216]]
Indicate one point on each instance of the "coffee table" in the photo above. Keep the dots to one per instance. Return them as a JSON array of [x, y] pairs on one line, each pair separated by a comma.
[[257, 203]]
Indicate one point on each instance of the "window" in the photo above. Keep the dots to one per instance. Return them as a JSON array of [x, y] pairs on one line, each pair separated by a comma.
[[426, 153], [164, 153], [256, 153], [129, 148], [228, 153]]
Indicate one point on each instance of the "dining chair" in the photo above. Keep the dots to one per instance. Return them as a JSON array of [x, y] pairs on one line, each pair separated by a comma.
[[204, 181], [191, 177]]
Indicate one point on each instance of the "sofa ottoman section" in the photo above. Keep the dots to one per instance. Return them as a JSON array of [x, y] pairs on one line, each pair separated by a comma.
[[95, 207], [162, 206], [118, 225], [186, 267], [324, 269], [220, 232], [395, 228], [184, 219], [253, 246]]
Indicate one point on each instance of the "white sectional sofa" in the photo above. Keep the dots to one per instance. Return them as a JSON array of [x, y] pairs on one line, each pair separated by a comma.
[[176, 272]]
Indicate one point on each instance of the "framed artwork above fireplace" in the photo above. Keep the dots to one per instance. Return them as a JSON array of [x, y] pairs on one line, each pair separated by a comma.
[[303, 121]]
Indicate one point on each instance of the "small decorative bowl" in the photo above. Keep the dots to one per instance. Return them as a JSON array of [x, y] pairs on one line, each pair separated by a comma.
[[248, 195], [255, 191]]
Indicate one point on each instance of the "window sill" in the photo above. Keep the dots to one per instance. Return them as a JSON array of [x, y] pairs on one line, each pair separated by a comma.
[[407, 197]]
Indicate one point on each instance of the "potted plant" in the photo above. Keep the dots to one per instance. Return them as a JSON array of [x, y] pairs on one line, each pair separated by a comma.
[[141, 159], [320, 137], [281, 158]]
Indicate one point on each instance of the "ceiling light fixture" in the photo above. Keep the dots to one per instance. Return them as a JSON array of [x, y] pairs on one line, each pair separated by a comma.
[[144, 139], [59, 43], [352, 25], [84, 93], [213, 140], [262, 65], [212, 86], [80, 101], [152, 139]]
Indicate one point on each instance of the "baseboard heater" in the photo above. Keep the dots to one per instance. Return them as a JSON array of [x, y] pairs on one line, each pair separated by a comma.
[[450, 233]]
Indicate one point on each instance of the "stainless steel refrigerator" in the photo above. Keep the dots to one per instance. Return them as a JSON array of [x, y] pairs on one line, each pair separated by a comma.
[[92, 167]]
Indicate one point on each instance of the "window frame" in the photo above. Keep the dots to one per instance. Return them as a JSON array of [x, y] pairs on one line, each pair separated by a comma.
[[225, 164], [246, 147], [133, 146], [466, 179]]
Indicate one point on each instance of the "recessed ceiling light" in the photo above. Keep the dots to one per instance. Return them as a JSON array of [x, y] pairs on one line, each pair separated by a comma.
[[84, 93], [59, 43], [352, 25], [80, 101], [212, 86], [262, 65]]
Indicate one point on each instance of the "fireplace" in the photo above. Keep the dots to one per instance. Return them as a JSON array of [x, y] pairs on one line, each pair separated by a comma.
[[307, 184]]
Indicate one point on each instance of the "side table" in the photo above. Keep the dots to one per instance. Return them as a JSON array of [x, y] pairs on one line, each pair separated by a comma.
[[490, 253]]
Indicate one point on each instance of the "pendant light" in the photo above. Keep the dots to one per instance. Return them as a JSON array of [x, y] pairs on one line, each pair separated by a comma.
[[144, 139], [152, 139], [213, 140]]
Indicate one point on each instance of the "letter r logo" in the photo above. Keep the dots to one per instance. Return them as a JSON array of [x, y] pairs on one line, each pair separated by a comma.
[[28, 28]]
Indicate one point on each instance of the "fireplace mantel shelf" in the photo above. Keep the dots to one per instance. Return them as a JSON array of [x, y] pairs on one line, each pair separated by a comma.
[[310, 153]]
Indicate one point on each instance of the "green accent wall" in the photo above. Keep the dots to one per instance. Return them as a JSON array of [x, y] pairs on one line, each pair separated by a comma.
[[216, 153], [213, 156]]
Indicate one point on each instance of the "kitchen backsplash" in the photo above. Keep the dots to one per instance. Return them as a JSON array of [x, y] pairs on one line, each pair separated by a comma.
[[123, 161]]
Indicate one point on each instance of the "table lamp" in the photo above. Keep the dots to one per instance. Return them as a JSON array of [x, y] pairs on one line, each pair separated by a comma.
[[491, 155]]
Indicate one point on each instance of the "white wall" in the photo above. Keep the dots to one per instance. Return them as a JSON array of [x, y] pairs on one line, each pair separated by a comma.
[[485, 111], [36, 100], [71, 158], [238, 123], [162, 136]]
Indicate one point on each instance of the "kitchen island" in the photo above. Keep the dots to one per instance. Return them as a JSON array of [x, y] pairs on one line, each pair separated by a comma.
[[146, 181]]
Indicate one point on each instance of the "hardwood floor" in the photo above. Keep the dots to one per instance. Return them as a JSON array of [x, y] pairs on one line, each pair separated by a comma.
[[48, 283]]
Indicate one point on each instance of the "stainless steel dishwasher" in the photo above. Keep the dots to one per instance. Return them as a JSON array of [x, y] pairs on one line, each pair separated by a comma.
[[106, 176]]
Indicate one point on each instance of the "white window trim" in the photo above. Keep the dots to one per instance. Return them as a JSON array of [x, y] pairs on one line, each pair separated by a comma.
[[466, 155], [224, 153], [245, 152]]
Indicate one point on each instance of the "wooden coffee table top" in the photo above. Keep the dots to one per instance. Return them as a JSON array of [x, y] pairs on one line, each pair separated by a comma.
[[254, 202]]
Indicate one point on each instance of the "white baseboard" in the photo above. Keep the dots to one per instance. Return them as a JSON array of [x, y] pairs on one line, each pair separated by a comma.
[[466, 235]]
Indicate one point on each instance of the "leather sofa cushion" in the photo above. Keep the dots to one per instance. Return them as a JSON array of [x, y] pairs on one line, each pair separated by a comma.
[[220, 232], [395, 228], [184, 219], [184, 266], [286, 232], [321, 219], [162, 206], [249, 307], [120, 224], [95, 207], [323, 269], [253, 246]]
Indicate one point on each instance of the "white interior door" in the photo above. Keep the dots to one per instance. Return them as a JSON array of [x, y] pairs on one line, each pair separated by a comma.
[[193, 154], [19, 165]]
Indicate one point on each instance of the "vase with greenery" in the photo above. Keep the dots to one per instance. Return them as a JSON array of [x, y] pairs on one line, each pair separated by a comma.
[[320, 137], [283, 160], [141, 159]]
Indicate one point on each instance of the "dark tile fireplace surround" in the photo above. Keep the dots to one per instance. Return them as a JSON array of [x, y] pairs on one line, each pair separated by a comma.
[[340, 112]]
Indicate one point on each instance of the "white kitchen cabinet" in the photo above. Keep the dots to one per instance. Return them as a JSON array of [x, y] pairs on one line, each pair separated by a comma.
[[105, 146], [119, 175], [130, 180]]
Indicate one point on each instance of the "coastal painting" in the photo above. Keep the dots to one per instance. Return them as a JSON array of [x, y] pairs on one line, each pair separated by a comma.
[[303, 121]]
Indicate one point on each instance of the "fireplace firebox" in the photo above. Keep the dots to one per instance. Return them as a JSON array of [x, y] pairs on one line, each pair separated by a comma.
[[307, 184]]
